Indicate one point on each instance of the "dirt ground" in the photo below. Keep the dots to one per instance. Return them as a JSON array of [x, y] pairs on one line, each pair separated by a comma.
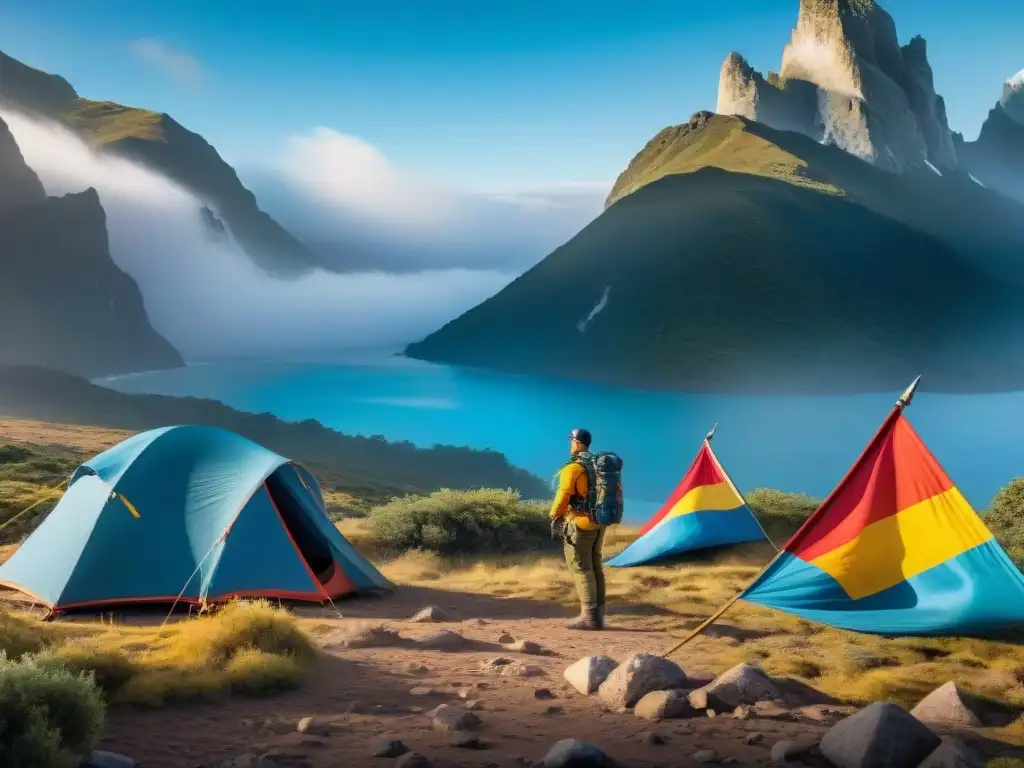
[[366, 695]]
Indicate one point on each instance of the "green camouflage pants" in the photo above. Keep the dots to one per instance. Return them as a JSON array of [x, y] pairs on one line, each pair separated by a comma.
[[583, 555]]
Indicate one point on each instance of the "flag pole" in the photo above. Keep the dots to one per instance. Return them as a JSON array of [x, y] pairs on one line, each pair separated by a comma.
[[732, 485], [903, 401]]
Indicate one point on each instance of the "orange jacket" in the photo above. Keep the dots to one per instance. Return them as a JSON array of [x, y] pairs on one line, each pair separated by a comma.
[[572, 481]]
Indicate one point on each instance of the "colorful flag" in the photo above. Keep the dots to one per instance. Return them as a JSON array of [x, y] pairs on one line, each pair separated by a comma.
[[895, 549], [705, 510]]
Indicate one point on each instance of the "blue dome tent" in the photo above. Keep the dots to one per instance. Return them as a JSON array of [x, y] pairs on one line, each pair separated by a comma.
[[191, 514]]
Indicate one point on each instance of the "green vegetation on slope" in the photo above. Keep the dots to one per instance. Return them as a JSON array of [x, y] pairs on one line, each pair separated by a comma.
[[735, 257], [451, 522], [159, 142], [360, 470], [712, 141]]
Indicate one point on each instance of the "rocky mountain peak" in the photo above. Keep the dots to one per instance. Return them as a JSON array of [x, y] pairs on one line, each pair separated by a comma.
[[845, 80], [1012, 101], [18, 183]]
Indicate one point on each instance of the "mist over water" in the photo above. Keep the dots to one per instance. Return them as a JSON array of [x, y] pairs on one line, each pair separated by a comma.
[[207, 297]]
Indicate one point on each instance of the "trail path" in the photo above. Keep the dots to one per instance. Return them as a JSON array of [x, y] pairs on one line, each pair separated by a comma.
[[365, 695]]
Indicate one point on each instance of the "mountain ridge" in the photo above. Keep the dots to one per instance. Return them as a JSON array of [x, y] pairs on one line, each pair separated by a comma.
[[821, 237], [159, 142], [64, 303]]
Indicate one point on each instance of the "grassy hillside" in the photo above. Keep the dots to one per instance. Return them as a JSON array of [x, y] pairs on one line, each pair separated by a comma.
[[159, 142], [713, 141], [736, 257], [367, 468]]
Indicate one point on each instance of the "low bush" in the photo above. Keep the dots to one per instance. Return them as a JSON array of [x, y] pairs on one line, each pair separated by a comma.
[[780, 513], [52, 716], [451, 522], [1005, 517]]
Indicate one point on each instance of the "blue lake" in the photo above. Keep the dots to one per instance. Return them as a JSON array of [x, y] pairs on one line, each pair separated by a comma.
[[791, 443]]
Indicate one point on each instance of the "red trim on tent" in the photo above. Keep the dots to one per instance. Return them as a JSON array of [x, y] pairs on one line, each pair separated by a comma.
[[322, 594], [339, 583]]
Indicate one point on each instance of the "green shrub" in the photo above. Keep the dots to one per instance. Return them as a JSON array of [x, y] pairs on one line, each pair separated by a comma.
[[13, 454], [1005, 516], [52, 717], [111, 669], [451, 522], [780, 513]]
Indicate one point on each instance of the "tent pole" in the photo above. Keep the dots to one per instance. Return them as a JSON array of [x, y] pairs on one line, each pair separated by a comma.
[[735, 490], [721, 611]]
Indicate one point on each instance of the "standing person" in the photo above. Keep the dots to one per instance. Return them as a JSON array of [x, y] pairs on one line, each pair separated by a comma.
[[589, 498]]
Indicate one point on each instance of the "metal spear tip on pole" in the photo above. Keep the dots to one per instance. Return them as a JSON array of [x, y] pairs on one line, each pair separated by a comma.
[[711, 434], [908, 394]]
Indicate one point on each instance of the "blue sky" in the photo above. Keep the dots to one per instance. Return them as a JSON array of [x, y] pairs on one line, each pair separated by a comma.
[[478, 95]]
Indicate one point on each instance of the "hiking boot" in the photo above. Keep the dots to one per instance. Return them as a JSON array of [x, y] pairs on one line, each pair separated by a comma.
[[587, 619], [599, 617]]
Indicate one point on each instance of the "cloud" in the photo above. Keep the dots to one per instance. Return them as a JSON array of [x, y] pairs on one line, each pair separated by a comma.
[[345, 198], [233, 307], [180, 66]]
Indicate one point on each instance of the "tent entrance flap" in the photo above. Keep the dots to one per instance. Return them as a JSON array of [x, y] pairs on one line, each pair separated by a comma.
[[311, 544]]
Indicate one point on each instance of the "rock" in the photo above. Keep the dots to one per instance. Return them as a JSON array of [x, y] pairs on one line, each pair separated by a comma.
[[448, 717], [421, 690], [102, 759], [587, 674], [664, 705], [742, 712], [742, 684], [705, 756], [365, 636], [947, 705], [953, 753], [465, 693], [572, 753], [390, 748], [412, 760], [543, 693], [826, 713], [771, 710], [881, 735], [429, 614], [499, 661], [845, 80], [636, 677], [473, 704], [506, 639], [786, 750], [527, 647], [1012, 100], [416, 669], [312, 726], [753, 738], [652, 738], [468, 741], [553, 710], [519, 670], [445, 640]]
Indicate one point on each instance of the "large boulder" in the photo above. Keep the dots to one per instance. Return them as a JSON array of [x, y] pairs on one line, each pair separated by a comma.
[[636, 677], [881, 735], [448, 717], [664, 705], [948, 705], [742, 684], [953, 753], [587, 674], [572, 753]]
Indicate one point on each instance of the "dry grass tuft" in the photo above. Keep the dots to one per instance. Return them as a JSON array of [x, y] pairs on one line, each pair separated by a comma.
[[247, 647]]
